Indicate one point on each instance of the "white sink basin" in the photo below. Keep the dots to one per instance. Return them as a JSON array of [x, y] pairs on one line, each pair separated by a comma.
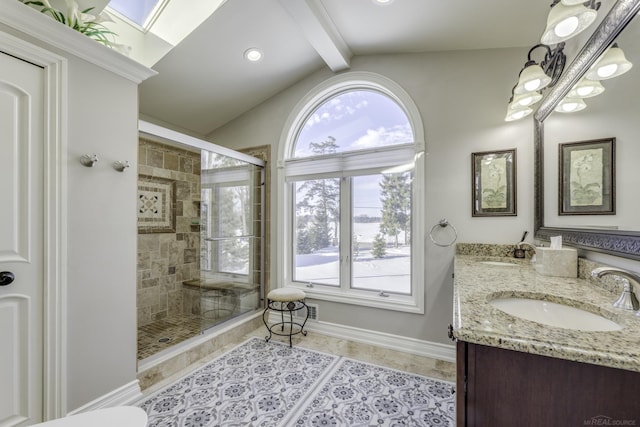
[[552, 314], [499, 263]]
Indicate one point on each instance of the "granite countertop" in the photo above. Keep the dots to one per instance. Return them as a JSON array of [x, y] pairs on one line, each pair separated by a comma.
[[476, 321]]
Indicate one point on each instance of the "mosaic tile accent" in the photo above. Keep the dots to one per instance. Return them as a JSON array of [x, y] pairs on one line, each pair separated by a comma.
[[361, 394], [257, 383], [156, 201]]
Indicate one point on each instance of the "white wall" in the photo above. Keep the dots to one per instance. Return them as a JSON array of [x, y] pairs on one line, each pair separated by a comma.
[[102, 233], [462, 97]]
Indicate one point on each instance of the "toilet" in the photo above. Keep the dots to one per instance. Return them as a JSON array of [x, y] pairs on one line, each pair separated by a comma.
[[121, 416]]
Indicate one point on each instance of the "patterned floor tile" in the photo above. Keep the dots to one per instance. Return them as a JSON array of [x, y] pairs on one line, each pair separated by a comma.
[[361, 394], [255, 384]]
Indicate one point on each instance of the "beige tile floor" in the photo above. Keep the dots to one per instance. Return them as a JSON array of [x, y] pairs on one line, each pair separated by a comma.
[[340, 347]]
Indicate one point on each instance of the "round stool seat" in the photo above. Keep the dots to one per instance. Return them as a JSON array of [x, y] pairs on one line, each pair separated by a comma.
[[289, 300], [286, 295]]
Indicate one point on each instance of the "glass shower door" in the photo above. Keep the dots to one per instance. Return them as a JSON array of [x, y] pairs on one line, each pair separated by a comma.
[[231, 244]]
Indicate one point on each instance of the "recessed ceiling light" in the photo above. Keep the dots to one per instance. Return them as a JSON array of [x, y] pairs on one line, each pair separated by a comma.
[[383, 1], [253, 54]]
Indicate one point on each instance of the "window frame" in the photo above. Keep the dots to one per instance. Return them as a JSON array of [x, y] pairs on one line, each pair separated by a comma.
[[149, 21], [233, 176], [219, 269], [359, 163]]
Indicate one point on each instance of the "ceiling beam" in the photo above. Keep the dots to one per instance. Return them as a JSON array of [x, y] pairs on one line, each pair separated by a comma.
[[320, 31]]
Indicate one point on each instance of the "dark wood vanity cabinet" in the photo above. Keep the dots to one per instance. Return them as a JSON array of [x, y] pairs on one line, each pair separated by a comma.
[[498, 387]]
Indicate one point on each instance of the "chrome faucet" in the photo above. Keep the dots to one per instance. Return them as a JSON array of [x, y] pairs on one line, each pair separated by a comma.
[[627, 300]]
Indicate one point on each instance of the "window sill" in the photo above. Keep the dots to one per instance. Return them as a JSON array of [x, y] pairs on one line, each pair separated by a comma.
[[407, 304]]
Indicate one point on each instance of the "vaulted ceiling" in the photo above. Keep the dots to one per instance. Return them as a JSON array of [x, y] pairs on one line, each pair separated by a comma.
[[204, 82]]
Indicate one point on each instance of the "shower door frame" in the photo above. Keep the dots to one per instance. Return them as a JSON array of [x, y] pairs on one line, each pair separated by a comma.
[[163, 135]]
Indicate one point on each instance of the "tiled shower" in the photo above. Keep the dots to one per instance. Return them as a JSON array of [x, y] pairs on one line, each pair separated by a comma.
[[199, 241]]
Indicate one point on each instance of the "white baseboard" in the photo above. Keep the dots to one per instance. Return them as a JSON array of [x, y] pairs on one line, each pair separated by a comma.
[[446, 352], [125, 395]]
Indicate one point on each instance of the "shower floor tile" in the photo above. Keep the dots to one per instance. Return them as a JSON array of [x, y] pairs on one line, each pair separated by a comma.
[[161, 334]]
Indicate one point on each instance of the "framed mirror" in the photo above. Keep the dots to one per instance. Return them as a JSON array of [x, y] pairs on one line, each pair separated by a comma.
[[615, 115]]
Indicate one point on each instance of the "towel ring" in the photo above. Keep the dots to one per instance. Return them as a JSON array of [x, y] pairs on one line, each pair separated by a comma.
[[442, 224]]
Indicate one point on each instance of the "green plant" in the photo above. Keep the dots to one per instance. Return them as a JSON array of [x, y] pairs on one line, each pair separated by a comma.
[[379, 249], [79, 20], [495, 197]]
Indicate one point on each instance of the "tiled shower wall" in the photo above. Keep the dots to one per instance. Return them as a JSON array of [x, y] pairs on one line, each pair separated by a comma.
[[166, 259]]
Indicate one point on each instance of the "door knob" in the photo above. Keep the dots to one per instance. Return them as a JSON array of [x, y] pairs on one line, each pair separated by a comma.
[[6, 277]]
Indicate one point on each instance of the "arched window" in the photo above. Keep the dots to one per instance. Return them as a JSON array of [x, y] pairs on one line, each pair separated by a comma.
[[352, 180], [356, 119]]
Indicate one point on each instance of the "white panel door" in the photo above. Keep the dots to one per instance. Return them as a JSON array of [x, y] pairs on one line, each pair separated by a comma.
[[21, 241]]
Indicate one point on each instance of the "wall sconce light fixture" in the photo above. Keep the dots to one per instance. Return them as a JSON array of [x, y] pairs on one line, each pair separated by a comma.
[[569, 18], [611, 64], [566, 19], [533, 78]]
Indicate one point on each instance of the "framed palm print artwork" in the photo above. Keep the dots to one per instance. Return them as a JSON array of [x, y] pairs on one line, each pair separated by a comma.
[[493, 186], [587, 178]]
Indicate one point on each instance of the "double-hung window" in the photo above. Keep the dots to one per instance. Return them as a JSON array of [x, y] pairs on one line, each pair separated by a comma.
[[353, 205]]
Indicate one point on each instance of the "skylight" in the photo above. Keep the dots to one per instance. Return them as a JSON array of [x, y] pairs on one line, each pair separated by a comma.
[[139, 12]]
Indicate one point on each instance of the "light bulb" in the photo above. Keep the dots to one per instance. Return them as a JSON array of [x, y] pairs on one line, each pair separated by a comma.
[[517, 113], [565, 22], [611, 64], [566, 27], [532, 78], [584, 91], [525, 100], [586, 88], [532, 85], [253, 54], [607, 70], [571, 105], [520, 114]]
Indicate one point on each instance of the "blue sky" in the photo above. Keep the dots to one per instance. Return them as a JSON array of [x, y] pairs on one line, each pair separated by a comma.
[[357, 120], [136, 10]]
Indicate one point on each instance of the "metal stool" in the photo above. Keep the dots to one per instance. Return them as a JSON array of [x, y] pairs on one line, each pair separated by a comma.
[[285, 299]]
